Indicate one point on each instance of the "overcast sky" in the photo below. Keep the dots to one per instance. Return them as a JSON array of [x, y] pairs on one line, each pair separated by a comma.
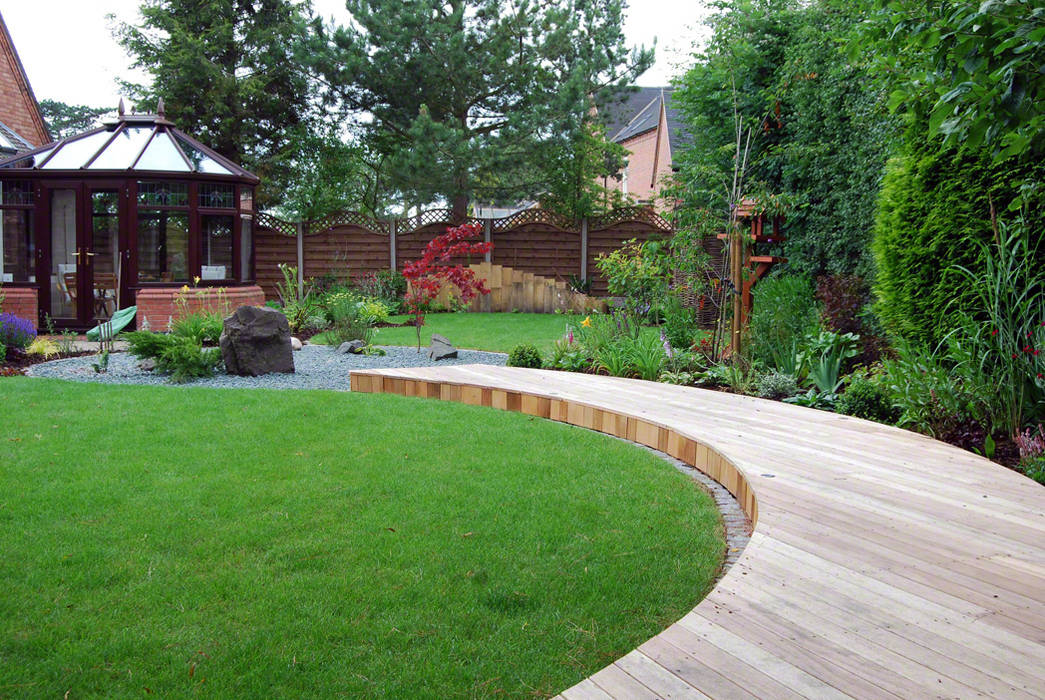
[[70, 55]]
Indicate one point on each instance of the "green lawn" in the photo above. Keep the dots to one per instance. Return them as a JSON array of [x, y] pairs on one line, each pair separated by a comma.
[[478, 331], [177, 541]]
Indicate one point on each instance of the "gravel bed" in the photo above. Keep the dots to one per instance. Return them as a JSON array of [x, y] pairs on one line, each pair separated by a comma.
[[315, 367]]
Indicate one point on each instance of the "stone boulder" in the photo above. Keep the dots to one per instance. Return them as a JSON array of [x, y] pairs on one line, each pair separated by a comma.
[[441, 348], [255, 341], [352, 346]]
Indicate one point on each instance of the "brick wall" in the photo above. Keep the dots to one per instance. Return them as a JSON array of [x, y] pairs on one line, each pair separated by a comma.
[[159, 306], [21, 302]]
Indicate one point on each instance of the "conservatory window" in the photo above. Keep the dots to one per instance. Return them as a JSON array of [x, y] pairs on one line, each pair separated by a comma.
[[17, 240]]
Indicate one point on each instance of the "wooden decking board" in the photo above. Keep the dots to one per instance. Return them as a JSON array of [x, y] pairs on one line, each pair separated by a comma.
[[802, 608], [660, 680], [689, 669], [768, 676], [614, 681], [924, 614], [956, 562], [883, 564], [876, 557], [833, 667], [872, 623]]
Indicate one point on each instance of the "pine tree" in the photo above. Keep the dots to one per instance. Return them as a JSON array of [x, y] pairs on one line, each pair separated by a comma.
[[230, 73], [474, 98]]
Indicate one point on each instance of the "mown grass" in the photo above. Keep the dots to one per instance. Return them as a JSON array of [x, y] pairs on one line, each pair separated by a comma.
[[175, 541], [498, 332]]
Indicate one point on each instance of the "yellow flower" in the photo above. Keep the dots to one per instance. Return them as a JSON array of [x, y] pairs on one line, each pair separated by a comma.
[[185, 288], [586, 322], [195, 281]]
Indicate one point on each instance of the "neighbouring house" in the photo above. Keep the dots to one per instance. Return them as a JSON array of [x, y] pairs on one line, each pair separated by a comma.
[[643, 121], [22, 127]]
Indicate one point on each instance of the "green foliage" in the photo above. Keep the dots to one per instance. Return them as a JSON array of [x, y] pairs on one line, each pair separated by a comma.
[[865, 398], [65, 120], [202, 327], [647, 357], [579, 174], [231, 73], [350, 321], [472, 100], [819, 135], [180, 356], [331, 173], [776, 385], [972, 68], [3, 352], [639, 272], [146, 344], [373, 311], [525, 355], [784, 314], [939, 391], [680, 323], [387, 286], [297, 305], [1009, 350], [822, 357], [185, 360], [935, 207], [814, 398], [570, 356]]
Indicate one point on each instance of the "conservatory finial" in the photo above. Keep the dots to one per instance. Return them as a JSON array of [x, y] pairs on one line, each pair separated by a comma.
[[121, 109], [160, 109]]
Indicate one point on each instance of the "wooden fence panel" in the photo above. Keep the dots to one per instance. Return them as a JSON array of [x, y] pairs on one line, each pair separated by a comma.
[[542, 249], [272, 248], [345, 252], [606, 240]]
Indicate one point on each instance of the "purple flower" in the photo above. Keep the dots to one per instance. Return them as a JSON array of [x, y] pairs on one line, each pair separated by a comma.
[[16, 332], [667, 345]]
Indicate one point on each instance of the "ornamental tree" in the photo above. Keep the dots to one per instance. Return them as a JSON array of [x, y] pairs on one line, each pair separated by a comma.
[[428, 274]]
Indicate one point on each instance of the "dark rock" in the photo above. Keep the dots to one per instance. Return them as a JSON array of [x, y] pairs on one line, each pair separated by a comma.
[[256, 341], [353, 346], [441, 349]]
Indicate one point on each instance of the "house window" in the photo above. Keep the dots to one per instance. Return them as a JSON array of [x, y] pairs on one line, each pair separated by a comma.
[[17, 240], [163, 232]]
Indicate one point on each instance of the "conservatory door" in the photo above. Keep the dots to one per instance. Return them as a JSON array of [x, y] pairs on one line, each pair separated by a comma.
[[85, 259], [64, 290]]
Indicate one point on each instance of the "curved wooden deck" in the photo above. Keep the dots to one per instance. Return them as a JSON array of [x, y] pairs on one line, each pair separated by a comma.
[[882, 564]]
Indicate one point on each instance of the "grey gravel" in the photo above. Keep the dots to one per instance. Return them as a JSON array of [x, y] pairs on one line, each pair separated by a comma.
[[316, 367]]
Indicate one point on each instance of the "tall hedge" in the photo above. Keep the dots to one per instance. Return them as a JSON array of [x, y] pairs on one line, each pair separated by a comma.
[[934, 202]]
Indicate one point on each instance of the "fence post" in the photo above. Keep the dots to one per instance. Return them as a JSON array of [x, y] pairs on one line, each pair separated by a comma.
[[584, 248], [392, 243], [301, 258], [487, 236]]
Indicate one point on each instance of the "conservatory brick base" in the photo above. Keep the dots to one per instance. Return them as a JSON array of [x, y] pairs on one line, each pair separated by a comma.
[[21, 302], [161, 305]]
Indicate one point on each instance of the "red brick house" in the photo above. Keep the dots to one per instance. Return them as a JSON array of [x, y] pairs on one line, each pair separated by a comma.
[[643, 121], [21, 125]]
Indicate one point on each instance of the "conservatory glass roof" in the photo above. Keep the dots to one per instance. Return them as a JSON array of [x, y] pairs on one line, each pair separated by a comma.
[[131, 143]]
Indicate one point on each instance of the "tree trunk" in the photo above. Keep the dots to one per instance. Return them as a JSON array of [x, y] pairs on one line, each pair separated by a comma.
[[459, 208]]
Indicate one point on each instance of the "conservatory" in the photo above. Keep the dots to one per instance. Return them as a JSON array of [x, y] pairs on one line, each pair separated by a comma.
[[129, 213]]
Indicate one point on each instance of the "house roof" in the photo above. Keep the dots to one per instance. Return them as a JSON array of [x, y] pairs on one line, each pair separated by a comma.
[[632, 111], [131, 143], [11, 142], [35, 119]]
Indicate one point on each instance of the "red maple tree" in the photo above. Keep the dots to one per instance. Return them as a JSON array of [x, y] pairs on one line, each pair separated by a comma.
[[428, 274]]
